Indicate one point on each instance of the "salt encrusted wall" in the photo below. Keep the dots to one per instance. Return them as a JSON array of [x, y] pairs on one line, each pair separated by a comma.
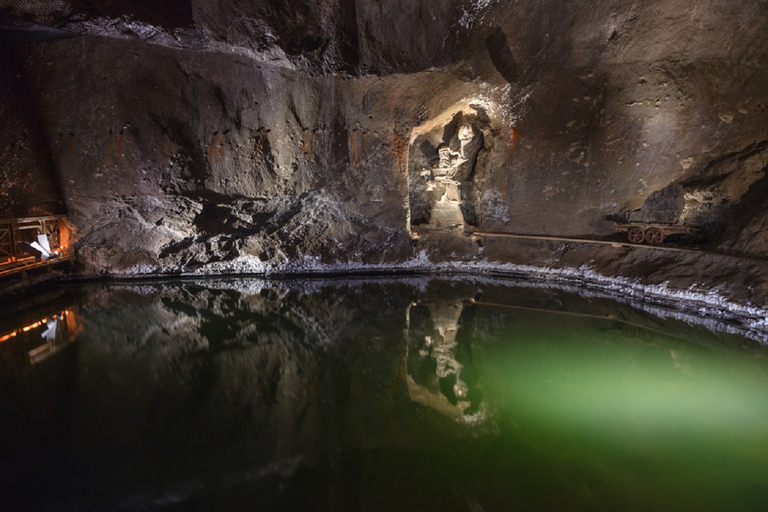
[[268, 136]]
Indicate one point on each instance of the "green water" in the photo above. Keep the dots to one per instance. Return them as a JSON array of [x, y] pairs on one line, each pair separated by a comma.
[[410, 394], [638, 426]]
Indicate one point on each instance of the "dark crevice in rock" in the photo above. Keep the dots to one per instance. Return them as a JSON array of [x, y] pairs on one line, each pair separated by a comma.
[[347, 36], [501, 55], [306, 44], [218, 219], [176, 247]]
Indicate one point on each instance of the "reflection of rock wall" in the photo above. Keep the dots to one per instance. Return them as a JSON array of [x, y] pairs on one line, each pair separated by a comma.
[[270, 354], [288, 392], [242, 382]]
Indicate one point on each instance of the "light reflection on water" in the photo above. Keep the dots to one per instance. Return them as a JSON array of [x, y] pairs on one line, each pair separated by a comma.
[[403, 394]]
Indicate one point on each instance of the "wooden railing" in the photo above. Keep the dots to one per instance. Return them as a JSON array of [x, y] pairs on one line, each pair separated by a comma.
[[14, 232]]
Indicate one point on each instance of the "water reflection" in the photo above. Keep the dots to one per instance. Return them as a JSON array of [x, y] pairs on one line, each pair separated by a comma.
[[377, 395], [440, 370], [34, 342]]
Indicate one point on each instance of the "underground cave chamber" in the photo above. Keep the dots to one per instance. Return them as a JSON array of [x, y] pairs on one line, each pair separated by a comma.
[[356, 255]]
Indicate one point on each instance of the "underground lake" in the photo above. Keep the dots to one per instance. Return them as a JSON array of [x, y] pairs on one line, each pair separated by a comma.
[[410, 393]]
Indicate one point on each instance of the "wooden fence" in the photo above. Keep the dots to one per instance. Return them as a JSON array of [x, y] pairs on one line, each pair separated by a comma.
[[15, 232]]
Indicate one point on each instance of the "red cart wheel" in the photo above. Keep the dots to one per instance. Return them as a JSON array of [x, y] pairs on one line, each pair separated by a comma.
[[654, 236], [636, 235]]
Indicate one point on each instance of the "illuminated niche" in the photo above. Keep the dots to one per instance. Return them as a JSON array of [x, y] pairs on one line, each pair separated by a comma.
[[442, 163]]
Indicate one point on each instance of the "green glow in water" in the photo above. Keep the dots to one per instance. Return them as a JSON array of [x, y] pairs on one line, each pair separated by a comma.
[[657, 424]]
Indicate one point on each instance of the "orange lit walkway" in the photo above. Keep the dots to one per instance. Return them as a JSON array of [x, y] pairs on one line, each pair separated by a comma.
[[14, 260]]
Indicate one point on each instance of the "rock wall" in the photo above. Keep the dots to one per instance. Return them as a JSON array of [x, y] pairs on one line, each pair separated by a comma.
[[275, 136]]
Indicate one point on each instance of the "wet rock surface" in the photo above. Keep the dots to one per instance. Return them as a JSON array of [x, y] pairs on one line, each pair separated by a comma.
[[218, 137]]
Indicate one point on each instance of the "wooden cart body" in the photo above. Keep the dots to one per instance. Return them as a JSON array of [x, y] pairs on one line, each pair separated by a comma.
[[654, 234]]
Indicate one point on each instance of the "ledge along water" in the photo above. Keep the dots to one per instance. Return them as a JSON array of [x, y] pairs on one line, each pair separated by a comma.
[[410, 393]]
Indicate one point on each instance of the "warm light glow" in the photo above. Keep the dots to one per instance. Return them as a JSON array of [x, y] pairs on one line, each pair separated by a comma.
[[31, 326], [7, 336], [50, 229], [66, 234]]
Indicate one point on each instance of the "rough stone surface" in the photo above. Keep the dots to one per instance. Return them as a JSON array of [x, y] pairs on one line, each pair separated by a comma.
[[219, 136]]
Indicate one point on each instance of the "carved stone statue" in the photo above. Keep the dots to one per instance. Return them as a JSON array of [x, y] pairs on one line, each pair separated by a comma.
[[443, 195], [446, 208], [466, 134]]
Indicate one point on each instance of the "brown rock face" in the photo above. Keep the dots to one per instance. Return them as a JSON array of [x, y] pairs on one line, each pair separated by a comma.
[[220, 136]]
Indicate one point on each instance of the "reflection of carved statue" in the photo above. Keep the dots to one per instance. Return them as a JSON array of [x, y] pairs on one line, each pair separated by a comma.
[[443, 388], [442, 341]]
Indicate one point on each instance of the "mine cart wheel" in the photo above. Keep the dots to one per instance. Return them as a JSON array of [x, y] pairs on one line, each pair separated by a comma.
[[654, 236], [636, 235]]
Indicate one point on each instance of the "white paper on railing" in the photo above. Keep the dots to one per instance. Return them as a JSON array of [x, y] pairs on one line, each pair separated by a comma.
[[50, 332], [44, 255], [44, 243]]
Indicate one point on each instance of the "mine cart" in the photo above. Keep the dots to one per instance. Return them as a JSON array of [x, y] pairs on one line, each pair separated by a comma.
[[654, 234]]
